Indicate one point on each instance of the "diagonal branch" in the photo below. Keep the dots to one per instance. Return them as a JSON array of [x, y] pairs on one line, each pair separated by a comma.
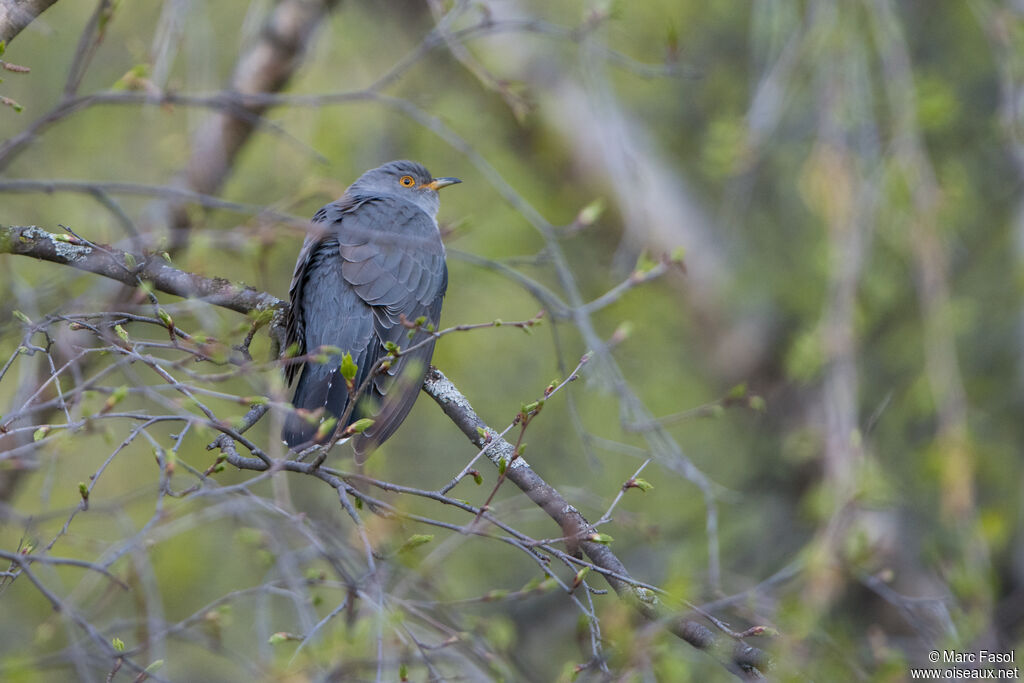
[[15, 15], [743, 660]]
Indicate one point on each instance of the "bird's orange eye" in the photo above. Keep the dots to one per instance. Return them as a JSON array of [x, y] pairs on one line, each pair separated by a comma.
[[407, 181]]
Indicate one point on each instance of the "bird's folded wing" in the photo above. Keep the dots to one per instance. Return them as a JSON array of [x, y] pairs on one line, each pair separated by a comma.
[[399, 272]]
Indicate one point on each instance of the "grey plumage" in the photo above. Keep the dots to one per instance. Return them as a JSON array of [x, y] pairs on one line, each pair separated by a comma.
[[378, 257]]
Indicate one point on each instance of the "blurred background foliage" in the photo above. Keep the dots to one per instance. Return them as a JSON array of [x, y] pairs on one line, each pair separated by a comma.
[[845, 180]]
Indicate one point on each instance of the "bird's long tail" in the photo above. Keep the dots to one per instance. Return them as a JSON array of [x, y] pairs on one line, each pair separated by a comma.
[[311, 394]]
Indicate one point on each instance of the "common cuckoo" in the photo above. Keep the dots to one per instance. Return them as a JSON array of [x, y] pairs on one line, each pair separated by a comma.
[[374, 267]]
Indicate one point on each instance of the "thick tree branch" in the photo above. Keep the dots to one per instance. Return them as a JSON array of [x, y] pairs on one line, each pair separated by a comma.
[[15, 15], [130, 269], [743, 660]]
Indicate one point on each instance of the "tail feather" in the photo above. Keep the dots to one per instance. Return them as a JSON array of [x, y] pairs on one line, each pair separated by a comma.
[[310, 394]]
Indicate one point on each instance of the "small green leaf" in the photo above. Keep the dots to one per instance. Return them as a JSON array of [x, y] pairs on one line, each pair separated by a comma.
[[502, 466], [165, 317], [421, 321], [547, 584], [415, 541], [638, 483], [481, 432], [326, 428], [392, 348], [129, 260], [155, 666], [478, 478], [757, 403], [589, 214], [331, 350], [359, 426], [644, 264], [133, 78], [117, 643], [580, 575], [262, 316], [83, 490], [348, 367], [116, 397], [122, 333], [40, 433], [22, 317], [604, 539], [678, 255], [280, 637], [738, 391]]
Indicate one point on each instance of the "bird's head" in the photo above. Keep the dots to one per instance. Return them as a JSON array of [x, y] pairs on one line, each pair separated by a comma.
[[406, 179]]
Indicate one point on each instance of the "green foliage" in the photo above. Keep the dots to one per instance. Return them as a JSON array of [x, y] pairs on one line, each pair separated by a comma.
[[348, 367], [415, 541], [360, 425]]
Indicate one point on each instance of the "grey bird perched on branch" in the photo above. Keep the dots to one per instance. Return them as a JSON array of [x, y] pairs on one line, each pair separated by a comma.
[[361, 283]]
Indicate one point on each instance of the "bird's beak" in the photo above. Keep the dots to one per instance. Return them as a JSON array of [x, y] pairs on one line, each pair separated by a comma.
[[437, 183]]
